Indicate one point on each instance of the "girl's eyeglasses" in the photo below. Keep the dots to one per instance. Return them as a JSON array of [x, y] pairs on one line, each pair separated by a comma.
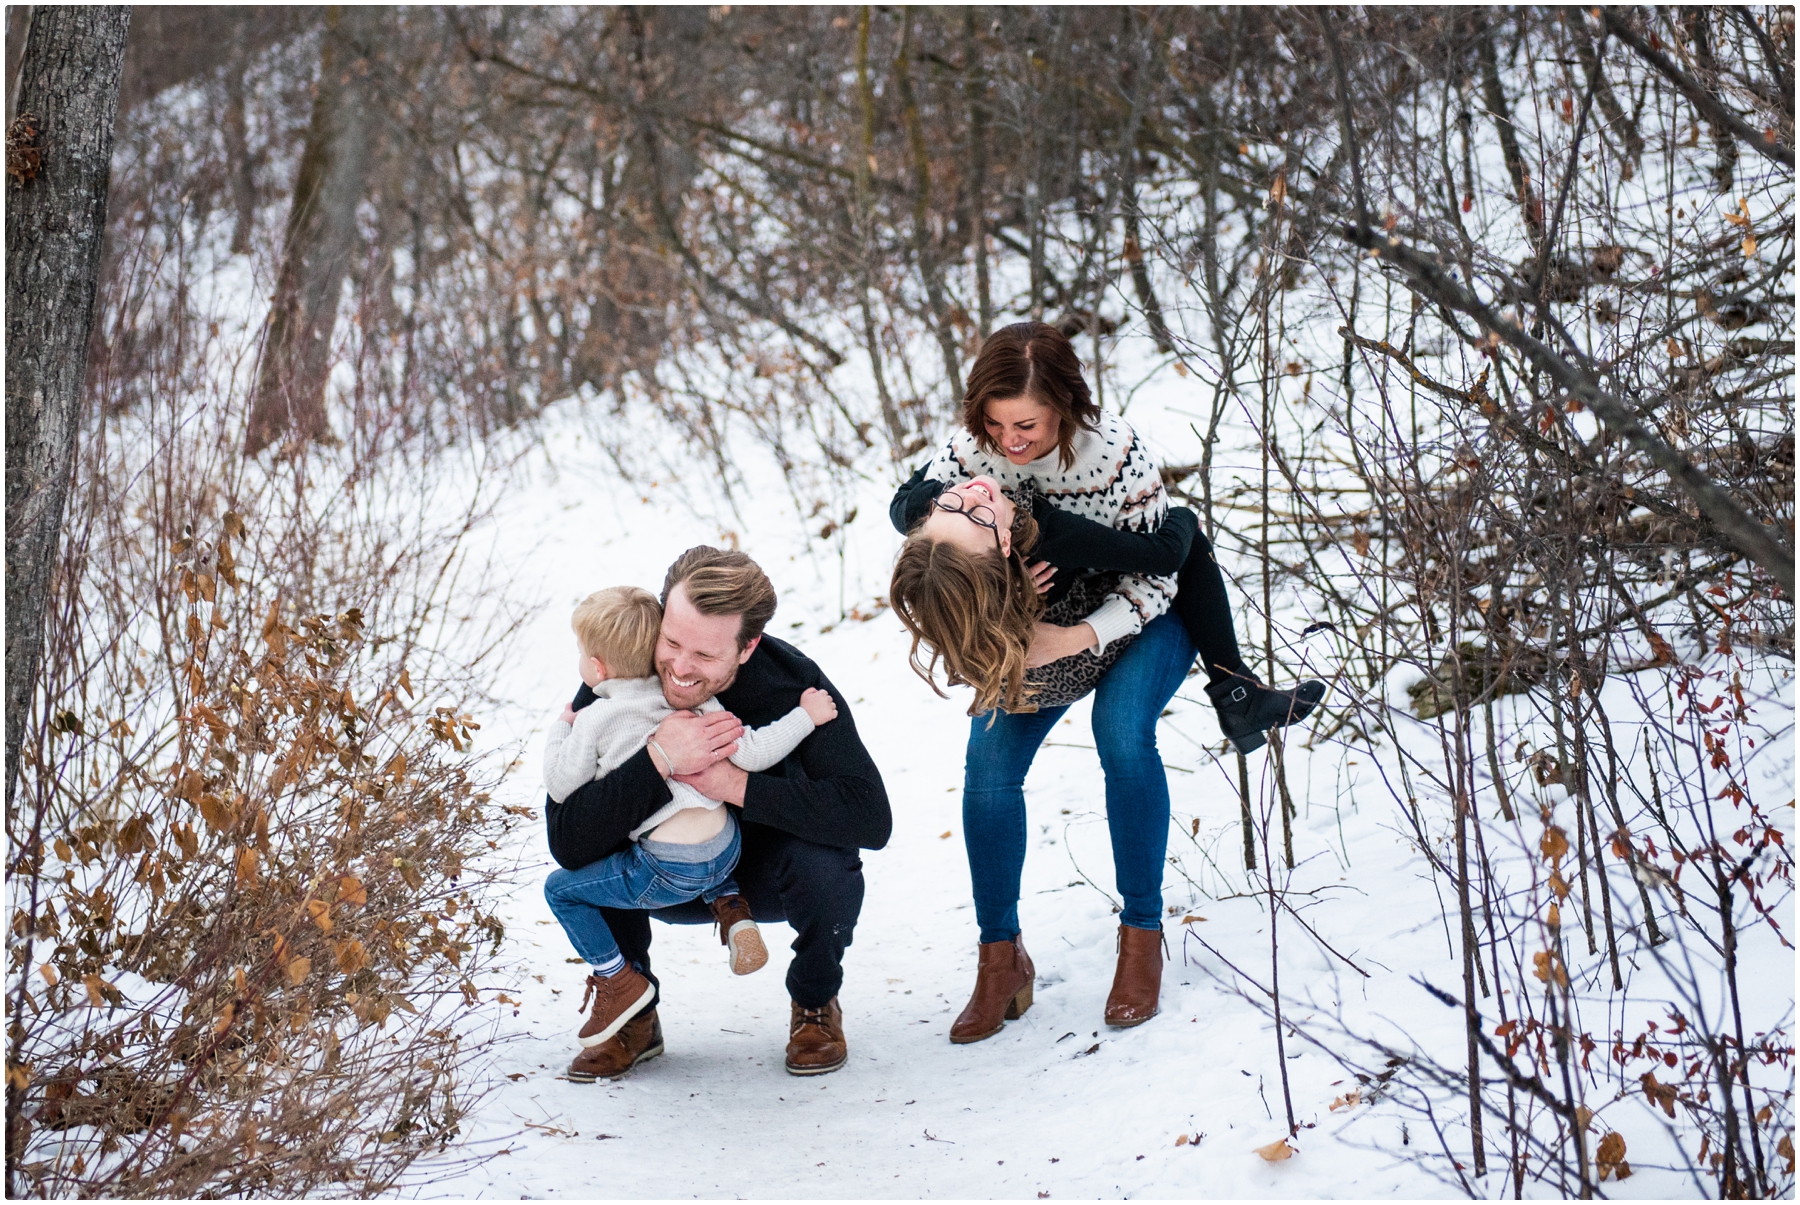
[[979, 514]]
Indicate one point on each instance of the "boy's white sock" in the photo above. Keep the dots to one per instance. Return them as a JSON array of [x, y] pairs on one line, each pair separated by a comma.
[[609, 968]]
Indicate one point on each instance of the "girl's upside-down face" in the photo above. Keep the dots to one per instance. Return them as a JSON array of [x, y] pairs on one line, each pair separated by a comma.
[[975, 516]]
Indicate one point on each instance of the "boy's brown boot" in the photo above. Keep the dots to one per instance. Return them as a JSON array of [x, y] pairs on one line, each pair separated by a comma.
[[740, 936], [617, 999], [640, 1039]]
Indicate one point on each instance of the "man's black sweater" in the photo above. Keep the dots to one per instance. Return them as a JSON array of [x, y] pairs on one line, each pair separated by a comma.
[[827, 791]]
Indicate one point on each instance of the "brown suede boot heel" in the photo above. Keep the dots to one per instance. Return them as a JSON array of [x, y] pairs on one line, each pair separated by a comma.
[[1003, 981]]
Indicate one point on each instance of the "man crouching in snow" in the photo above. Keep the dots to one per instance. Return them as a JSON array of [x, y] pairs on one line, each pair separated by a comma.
[[802, 821]]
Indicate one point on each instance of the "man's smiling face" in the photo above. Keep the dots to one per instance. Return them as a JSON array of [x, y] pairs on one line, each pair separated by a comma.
[[697, 656]]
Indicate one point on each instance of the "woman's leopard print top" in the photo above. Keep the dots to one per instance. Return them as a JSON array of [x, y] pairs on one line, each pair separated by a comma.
[[1067, 679]]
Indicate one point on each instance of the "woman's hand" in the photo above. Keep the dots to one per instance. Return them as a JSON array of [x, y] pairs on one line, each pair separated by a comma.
[[1041, 573], [1053, 643], [568, 714]]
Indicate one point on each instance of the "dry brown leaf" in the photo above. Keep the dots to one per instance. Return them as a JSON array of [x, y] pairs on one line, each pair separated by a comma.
[[1547, 966], [225, 1016], [351, 957], [1181, 1140], [1554, 845], [1659, 1093], [1348, 1100], [246, 868], [1190, 918], [298, 969], [96, 990], [320, 912], [1553, 917], [351, 892], [1610, 1157], [1276, 1151], [944, 836]]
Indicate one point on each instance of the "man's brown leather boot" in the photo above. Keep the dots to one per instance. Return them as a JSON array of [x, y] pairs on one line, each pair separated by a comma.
[[816, 1039], [1003, 981], [1137, 981], [640, 1039]]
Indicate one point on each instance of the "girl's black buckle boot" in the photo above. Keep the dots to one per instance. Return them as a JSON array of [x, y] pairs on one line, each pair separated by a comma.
[[1247, 709]]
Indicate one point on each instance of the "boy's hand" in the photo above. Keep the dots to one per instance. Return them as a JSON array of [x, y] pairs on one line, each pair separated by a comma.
[[694, 741], [818, 705], [1041, 573], [568, 713]]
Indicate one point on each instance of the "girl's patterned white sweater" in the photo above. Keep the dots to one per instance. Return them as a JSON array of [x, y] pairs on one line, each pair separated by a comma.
[[1112, 480]]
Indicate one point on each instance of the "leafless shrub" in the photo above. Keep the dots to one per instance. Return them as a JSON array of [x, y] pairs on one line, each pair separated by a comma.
[[250, 918]]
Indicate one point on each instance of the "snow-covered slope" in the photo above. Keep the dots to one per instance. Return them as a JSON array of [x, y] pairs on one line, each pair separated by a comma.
[[1057, 1105]]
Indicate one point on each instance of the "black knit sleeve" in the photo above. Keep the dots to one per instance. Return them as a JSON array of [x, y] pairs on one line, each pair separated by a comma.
[[1069, 541], [913, 500]]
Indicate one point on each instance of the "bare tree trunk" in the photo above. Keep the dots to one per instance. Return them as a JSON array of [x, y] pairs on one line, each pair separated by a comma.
[[923, 243], [865, 235], [237, 141], [59, 168], [321, 236], [55, 225], [976, 83]]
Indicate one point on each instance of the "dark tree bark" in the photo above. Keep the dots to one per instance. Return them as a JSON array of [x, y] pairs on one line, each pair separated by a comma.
[[321, 237], [67, 100], [55, 226]]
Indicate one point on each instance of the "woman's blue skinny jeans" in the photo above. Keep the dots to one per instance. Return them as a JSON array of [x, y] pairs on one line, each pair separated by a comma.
[[1127, 704]]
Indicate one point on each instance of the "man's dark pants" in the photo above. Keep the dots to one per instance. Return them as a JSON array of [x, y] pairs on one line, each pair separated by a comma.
[[817, 889]]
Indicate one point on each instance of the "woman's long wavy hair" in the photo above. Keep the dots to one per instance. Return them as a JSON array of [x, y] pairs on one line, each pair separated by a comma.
[[974, 613]]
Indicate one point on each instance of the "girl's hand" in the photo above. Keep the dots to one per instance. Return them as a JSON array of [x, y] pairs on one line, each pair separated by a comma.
[[1053, 643], [1041, 573], [568, 713]]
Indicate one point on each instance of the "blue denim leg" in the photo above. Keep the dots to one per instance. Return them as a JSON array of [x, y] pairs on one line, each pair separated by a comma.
[[994, 813], [576, 897], [727, 887], [1127, 704], [632, 878]]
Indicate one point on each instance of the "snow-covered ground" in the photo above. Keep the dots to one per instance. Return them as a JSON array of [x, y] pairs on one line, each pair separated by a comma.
[[1057, 1105]]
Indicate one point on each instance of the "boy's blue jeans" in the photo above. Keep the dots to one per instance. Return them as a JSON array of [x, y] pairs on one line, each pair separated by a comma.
[[1127, 704], [634, 878]]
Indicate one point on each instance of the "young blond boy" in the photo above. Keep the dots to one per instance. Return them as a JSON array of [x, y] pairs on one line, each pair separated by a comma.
[[688, 849]]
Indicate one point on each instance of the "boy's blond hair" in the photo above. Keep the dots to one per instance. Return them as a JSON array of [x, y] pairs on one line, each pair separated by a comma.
[[619, 625]]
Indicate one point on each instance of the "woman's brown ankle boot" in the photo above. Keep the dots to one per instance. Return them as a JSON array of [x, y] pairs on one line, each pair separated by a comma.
[[1003, 980], [1137, 981]]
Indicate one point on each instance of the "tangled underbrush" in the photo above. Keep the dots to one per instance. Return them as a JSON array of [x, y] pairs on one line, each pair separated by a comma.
[[250, 923]]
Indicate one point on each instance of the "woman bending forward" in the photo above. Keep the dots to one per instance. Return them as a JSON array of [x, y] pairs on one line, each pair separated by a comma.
[[1032, 638]]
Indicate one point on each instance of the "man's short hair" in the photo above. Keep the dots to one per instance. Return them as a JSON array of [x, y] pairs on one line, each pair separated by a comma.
[[619, 625], [724, 583]]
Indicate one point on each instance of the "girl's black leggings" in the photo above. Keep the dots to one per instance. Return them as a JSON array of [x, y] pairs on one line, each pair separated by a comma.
[[1205, 610]]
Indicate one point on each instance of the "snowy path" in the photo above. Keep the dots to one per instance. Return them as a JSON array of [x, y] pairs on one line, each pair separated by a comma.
[[1028, 1112], [1057, 1105]]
